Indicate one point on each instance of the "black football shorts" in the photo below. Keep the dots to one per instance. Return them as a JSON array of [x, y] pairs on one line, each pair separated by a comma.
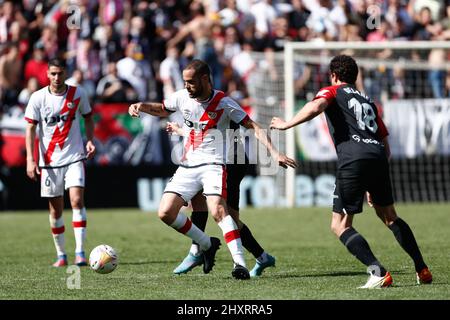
[[357, 177]]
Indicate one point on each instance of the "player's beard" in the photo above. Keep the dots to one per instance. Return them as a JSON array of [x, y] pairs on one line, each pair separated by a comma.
[[197, 93]]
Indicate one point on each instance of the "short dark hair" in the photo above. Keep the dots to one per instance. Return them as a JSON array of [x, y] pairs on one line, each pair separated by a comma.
[[57, 62], [200, 67], [345, 68]]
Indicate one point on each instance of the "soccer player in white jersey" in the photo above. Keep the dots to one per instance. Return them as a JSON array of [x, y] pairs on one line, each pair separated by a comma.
[[237, 166], [56, 109], [207, 114]]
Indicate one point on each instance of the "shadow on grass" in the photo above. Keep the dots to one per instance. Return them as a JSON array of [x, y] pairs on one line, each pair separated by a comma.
[[329, 274]]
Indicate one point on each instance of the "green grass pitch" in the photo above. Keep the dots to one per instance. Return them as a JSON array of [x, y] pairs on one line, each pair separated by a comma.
[[311, 263]]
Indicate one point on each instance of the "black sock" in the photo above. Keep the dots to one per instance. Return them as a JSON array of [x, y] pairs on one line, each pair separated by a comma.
[[199, 218], [405, 238], [250, 243], [358, 246]]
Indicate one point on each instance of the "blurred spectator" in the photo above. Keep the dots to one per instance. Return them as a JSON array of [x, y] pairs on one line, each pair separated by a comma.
[[327, 18], [297, 20], [434, 6], [109, 11], [10, 74], [398, 17], [231, 45], [24, 95], [264, 14], [436, 76], [111, 88], [170, 72], [36, 67], [77, 79], [199, 28], [110, 46], [136, 70], [49, 40], [230, 15], [424, 27], [10, 18], [88, 62], [243, 63]]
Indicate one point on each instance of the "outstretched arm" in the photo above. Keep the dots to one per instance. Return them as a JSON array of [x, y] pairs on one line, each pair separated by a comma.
[[153, 108], [262, 136], [308, 112]]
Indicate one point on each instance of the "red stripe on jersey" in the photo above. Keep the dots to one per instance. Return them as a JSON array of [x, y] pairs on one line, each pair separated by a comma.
[[187, 226], [59, 137], [31, 120], [232, 235], [58, 230], [382, 131], [194, 139], [245, 120], [329, 93], [79, 224], [224, 183]]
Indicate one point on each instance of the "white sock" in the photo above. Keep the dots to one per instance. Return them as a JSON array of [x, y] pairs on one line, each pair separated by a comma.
[[233, 239], [58, 229], [79, 228], [183, 225], [195, 249]]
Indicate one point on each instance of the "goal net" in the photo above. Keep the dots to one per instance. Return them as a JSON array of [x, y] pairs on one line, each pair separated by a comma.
[[410, 84]]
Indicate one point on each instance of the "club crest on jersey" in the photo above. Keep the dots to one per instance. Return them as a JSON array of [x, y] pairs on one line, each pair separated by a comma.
[[212, 115], [70, 105]]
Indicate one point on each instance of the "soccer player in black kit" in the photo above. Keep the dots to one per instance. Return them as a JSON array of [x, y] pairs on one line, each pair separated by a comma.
[[360, 139]]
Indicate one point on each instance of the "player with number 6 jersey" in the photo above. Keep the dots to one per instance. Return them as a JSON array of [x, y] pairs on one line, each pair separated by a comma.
[[362, 147], [56, 111]]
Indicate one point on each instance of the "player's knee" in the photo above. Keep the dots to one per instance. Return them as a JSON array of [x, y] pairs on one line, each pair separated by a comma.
[[166, 216], [337, 227], [76, 202], [218, 213], [387, 214]]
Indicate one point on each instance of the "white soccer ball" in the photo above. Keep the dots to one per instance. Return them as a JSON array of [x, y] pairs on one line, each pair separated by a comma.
[[103, 259]]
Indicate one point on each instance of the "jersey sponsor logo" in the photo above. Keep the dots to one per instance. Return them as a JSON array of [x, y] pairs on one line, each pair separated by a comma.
[[366, 140], [58, 118], [59, 136]]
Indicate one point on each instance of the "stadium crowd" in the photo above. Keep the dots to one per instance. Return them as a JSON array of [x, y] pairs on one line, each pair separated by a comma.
[[123, 51]]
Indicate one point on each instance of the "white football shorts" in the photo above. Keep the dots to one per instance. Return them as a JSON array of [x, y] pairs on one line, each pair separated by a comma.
[[55, 180], [187, 182]]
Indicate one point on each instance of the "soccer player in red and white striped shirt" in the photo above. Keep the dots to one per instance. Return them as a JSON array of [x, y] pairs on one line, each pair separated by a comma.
[[56, 110], [207, 115]]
